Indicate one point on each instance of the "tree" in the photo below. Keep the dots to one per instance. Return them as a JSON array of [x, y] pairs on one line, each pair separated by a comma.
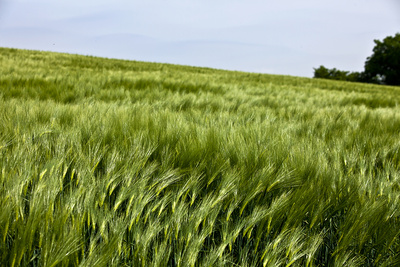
[[383, 66], [321, 72], [334, 74]]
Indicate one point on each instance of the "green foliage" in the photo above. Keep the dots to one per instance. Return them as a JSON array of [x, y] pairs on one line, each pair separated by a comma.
[[118, 163], [334, 74], [383, 66]]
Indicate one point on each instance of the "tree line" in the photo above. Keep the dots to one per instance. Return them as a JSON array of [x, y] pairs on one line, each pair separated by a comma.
[[382, 67]]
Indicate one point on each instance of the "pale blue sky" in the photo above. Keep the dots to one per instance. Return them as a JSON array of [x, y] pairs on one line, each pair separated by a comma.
[[279, 37]]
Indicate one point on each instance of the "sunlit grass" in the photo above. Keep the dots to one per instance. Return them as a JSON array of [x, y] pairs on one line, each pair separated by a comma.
[[117, 163]]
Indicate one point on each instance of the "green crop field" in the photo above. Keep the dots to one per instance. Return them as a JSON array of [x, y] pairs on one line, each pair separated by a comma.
[[119, 163]]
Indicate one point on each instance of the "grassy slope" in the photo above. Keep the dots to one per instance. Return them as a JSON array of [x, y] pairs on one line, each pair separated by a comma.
[[111, 162]]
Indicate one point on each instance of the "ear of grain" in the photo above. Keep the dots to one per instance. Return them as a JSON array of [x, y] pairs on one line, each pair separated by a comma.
[[118, 163]]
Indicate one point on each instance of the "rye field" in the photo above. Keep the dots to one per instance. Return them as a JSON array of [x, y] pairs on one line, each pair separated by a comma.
[[108, 162]]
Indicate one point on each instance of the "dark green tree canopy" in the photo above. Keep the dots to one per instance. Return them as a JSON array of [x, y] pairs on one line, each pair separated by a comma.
[[335, 74], [382, 67], [384, 64]]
